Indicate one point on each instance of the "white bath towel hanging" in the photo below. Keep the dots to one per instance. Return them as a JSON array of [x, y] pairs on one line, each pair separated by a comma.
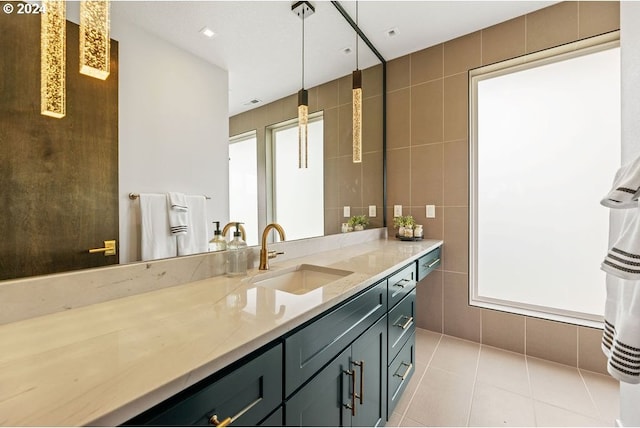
[[156, 241], [626, 187], [623, 258], [178, 210], [621, 336], [196, 240]]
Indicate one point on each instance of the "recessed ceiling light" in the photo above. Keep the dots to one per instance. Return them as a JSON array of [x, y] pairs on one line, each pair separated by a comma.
[[346, 50], [392, 32], [207, 32], [252, 102]]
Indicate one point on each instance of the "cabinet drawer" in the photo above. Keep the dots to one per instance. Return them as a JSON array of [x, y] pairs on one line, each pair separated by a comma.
[[309, 349], [401, 283], [401, 323], [400, 371], [250, 392], [427, 263]]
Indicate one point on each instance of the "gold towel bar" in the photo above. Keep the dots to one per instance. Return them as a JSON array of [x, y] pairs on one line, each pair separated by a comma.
[[134, 196]]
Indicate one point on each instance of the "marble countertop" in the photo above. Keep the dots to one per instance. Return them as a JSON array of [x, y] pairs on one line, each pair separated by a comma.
[[104, 363]]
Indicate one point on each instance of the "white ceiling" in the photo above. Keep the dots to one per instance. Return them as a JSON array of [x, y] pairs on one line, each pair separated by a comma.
[[260, 42]]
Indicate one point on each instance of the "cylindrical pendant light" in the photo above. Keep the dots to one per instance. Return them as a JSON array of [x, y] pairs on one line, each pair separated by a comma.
[[95, 43], [52, 58], [357, 105]]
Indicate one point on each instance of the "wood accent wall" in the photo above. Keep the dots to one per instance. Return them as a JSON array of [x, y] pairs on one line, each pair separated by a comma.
[[58, 177]]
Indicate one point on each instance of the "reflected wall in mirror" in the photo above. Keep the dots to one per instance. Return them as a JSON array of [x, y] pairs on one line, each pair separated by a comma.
[[172, 126], [346, 184], [59, 177]]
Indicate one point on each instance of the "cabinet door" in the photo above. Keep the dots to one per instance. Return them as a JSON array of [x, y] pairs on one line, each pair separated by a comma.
[[369, 360], [324, 400]]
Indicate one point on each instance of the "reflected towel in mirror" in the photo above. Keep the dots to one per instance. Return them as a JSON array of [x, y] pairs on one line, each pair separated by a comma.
[[156, 240], [196, 239]]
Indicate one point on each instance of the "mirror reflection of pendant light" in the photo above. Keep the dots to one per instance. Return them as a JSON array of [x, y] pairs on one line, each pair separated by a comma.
[[94, 38], [52, 58], [357, 105], [303, 9]]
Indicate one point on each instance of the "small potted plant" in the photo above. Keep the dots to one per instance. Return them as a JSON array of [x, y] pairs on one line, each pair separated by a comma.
[[402, 223], [358, 222]]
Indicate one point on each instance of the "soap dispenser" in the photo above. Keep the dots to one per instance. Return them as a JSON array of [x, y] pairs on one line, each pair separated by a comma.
[[237, 254], [218, 243]]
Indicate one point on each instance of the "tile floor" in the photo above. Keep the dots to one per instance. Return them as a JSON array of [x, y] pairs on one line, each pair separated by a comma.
[[462, 383]]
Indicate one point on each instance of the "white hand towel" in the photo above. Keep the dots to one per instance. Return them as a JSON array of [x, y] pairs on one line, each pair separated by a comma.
[[178, 213], [623, 258], [626, 187], [178, 201], [622, 322], [156, 241], [196, 241]]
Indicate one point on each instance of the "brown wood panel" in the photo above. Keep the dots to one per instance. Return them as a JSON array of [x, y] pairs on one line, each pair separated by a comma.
[[58, 177]]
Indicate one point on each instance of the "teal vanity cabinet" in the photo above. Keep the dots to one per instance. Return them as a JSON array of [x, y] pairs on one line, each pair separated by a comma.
[[336, 366], [249, 392], [346, 367], [350, 391]]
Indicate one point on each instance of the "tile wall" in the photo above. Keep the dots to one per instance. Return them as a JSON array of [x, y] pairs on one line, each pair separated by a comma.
[[427, 145], [346, 183]]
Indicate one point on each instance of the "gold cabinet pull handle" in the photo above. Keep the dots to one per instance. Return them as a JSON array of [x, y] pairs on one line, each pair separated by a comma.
[[433, 263], [361, 365], [407, 323], [402, 283], [352, 405], [109, 248], [215, 422], [406, 372]]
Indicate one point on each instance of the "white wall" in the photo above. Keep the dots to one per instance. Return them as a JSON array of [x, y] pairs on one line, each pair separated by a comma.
[[630, 60], [173, 128]]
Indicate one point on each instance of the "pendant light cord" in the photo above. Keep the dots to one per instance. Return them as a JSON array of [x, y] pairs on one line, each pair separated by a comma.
[[357, 66], [303, 47]]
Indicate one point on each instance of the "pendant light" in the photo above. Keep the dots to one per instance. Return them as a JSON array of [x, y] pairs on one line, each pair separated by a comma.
[[357, 105], [303, 9], [95, 41], [53, 58]]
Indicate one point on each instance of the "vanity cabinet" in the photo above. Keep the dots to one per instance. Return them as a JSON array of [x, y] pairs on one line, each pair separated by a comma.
[[248, 393], [350, 390], [346, 367]]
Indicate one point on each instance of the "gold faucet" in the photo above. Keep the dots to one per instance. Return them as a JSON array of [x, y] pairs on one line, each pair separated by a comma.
[[231, 224], [265, 254]]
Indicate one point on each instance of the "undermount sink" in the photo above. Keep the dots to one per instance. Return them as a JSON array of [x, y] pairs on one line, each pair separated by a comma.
[[299, 279]]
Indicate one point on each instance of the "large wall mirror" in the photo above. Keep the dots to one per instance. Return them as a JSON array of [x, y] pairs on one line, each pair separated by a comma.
[[163, 119]]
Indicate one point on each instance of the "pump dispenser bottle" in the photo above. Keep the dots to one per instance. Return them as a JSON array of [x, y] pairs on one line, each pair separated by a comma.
[[217, 243], [237, 254]]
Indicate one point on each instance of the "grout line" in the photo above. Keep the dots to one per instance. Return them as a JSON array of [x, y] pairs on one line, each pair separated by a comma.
[[533, 400], [593, 401], [473, 388]]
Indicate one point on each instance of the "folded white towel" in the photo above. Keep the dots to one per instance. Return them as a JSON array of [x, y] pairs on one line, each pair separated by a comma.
[[197, 240], [178, 213], [623, 258], [626, 187], [178, 201], [156, 241], [621, 336]]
